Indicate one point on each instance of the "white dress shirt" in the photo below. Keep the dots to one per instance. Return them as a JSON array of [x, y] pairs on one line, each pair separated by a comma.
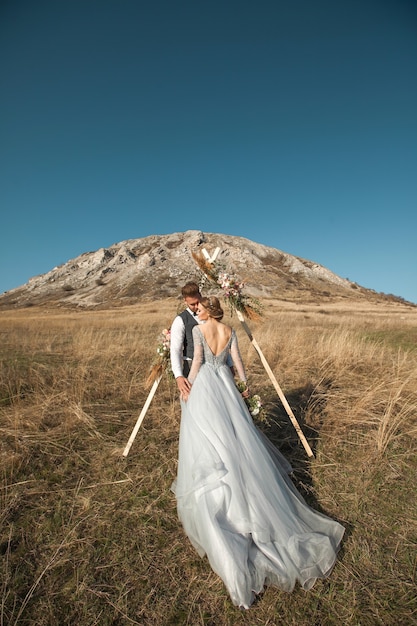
[[177, 344]]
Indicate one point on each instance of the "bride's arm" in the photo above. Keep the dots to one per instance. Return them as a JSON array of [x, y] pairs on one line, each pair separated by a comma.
[[237, 359], [237, 362], [197, 356]]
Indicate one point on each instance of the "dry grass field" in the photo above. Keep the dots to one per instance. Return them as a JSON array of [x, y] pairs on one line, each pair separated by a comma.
[[90, 537]]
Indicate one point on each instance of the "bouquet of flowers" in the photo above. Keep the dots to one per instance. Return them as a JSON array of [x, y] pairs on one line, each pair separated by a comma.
[[163, 347], [162, 361], [232, 288], [254, 403]]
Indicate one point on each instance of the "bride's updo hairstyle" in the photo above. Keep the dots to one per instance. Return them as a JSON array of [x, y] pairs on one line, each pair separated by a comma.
[[212, 306]]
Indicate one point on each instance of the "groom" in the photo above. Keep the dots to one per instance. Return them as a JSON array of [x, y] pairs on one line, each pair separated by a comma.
[[182, 345]]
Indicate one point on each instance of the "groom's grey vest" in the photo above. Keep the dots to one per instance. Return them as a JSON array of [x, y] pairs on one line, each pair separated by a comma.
[[188, 350]]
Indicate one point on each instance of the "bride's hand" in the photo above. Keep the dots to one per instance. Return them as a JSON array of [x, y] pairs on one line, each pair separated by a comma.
[[246, 393], [185, 394]]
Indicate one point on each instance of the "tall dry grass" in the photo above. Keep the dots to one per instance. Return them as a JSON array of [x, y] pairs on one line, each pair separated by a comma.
[[90, 537]]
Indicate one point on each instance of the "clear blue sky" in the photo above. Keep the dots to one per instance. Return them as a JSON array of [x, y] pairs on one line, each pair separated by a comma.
[[293, 124]]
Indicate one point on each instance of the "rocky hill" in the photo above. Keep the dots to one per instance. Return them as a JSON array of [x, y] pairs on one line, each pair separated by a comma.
[[156, 267]]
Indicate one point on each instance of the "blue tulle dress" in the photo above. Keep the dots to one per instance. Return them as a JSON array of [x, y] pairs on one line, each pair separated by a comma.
[[235, 499]]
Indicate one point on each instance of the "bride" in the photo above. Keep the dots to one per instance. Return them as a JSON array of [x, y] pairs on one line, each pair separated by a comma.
[[235, 500]]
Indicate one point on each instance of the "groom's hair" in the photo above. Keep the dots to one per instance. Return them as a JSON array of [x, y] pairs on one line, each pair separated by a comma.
[[191, 290]]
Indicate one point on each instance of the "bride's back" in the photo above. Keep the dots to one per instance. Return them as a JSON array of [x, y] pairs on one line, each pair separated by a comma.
[[216, 334]]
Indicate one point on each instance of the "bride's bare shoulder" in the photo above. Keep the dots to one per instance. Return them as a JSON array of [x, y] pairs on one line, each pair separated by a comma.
[[227, 330]]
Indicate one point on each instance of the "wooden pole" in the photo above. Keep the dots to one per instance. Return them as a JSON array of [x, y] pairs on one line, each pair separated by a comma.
[[276, 385], [142, 415], [212, 258]]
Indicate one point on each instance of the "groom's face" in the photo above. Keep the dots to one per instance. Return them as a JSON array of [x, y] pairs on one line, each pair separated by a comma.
[[192, 302]]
